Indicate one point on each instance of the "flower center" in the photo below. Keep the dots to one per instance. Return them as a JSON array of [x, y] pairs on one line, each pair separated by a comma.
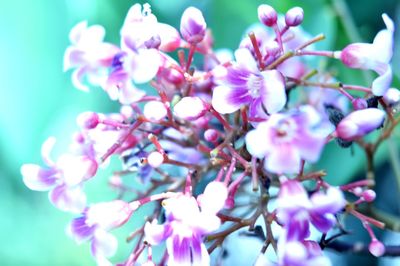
[[285, 129], [254, 84]]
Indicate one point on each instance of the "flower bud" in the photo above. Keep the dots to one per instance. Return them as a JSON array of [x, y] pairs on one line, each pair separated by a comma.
[[267, 15], [376, 248], [193, 25], [211, 135], [360, 123], [359, 104], [294, 17], [190, 108], [155, 159], [88, 120], [392, 97], [154, 110], [369, 195]]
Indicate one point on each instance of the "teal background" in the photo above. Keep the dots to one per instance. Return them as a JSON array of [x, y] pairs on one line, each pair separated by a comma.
[[38, 100]]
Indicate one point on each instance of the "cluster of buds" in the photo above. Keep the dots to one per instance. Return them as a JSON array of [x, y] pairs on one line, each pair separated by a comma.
[[212, 127]]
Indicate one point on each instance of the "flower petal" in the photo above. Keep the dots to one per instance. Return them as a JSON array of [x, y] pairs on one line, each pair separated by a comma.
[[68, 199], [283, 159], [226, 100], [37, 178], [273, 93], [382, 83]]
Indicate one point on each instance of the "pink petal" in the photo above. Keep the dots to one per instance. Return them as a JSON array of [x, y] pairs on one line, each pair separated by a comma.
[[213, 198], [68, 199], [144, 65], [283, 159], [156, 233]]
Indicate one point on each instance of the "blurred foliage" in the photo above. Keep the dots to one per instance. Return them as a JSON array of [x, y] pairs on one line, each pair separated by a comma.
[[38, 100]]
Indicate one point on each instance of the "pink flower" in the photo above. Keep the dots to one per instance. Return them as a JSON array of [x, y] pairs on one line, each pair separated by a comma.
[[95, 223], [63, 178], [360, 123], [375, 56], [285, 139], [89, 55], [244, 84], [186, 225]]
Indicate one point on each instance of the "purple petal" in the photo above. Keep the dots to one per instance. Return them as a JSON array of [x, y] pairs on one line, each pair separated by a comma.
[[199, 253], [37, 178], [331, 202], [156, 233], [226, 100], [298, 228], [178, 251], [80, 231], [77, 79], [273, 92], [323, 222]]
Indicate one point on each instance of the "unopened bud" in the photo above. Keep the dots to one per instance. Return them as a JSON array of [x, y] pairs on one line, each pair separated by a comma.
[[376, 248], [155, 159], [369, 195], [190, 108], [154, 110], [360, 123], [294, 17], [88, 120], [211, 135], [267, 15], [193, 25]]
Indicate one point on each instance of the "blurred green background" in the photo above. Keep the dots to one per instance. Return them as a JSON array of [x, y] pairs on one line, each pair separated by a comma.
[[38, 100]]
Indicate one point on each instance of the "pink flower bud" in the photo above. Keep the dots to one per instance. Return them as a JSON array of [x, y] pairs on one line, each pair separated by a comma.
[[360, 123], [88, 120], [359, 104], [154, 110], [294, 17], [376, 248], [267, 15], [190, 108], [193, 25], [211, 135], [155, 159], [392, 97], [369, 195]]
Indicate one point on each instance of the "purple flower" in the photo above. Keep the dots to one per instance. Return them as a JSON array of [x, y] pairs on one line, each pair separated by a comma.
[[186, 225], [89, 55], [360, 123], [375, 56], [94, 225], [295, 210], [63, 178], [244, 84], [285, 139]]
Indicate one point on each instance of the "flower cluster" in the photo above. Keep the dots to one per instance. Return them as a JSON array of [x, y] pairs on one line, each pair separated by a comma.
[[212, 127]]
